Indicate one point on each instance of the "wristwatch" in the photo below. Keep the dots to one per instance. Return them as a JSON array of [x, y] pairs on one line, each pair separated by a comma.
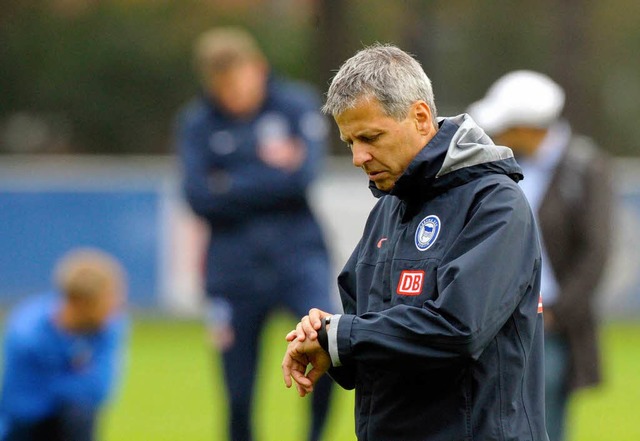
[[323, 337]]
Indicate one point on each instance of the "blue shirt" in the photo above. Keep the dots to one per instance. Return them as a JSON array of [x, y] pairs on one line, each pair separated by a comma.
[[46, 367], [538, 171]]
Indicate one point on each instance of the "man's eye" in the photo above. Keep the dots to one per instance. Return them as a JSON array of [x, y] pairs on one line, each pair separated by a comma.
[[370, 139], [349, 145]]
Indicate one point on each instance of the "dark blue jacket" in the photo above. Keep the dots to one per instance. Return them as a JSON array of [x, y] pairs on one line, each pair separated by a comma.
[[258, 214], [442, 335]]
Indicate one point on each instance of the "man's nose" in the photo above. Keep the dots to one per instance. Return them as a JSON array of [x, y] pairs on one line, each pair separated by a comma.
[[360, 154]]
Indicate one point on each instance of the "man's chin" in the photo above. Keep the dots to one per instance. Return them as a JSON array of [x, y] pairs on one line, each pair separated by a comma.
[[384, 186]]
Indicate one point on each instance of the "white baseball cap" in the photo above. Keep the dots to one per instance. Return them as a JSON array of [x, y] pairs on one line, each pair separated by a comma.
[[519, 98]]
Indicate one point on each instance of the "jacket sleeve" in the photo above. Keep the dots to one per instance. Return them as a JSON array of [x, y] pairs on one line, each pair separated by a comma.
[[22, 365], [481, 279], [345, 375], [231, 191]]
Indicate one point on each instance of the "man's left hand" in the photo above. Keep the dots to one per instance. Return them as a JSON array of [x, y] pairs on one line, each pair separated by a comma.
[[299, 355]]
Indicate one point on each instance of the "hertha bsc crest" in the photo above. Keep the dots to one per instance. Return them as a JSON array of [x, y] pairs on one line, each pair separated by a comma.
[[427, 232]]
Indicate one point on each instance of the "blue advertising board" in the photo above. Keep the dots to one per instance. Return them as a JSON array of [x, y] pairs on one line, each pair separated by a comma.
[[133, 210], [38, 227], [43, 217]]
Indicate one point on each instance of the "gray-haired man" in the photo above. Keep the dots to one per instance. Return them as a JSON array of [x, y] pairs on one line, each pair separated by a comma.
[[441, 335]]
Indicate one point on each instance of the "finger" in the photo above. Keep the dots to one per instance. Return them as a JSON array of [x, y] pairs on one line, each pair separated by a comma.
[[294, 365], [286, 370], [302, 336], [300, 390], [300, 378], [293, 369], [303, 391], [306, 392], [308, 329], [315, 317], [291, 335], [291, 362], [314, 375]]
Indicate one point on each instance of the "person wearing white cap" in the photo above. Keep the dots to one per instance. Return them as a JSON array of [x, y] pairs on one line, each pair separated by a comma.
[[567, 181]]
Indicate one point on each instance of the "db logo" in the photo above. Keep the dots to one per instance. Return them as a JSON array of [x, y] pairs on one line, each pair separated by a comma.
[[410, 283]]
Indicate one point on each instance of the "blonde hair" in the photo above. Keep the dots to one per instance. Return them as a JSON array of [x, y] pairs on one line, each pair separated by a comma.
[[219, 49], [87, 273]]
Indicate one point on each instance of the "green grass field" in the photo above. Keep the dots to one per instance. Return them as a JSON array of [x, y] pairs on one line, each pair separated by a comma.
[[172, 390]]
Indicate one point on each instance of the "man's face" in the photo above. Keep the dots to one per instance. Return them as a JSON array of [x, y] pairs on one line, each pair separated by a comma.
[[240, 89], [524, 141], [381, 145]]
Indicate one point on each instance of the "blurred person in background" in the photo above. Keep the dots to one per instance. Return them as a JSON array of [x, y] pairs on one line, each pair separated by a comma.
[[568, 184], [62, 352], [250, 146]]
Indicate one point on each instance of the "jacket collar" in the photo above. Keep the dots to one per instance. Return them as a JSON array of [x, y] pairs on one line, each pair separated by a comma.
[[459, 152]]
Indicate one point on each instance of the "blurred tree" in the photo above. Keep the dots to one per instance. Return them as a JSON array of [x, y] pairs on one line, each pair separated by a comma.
[[107, 76], [114, 80], [333, 40], [333, 43], [572, 62]]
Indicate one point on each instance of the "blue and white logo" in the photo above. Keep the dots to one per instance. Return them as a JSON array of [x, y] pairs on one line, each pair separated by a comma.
[[427, 232]]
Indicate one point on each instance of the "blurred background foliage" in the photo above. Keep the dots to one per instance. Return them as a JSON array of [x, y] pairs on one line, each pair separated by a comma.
[[107, 76]]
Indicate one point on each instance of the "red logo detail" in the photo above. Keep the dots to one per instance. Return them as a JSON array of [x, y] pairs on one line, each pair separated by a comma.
[[540, 308], [380, 242], [410, 283]]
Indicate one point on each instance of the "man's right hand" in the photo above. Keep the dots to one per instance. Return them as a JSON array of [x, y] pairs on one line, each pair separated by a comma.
[[308, 326]]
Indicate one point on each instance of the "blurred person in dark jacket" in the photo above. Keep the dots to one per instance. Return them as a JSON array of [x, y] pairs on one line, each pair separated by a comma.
[[62, 352], [568, 183], [251, 144]]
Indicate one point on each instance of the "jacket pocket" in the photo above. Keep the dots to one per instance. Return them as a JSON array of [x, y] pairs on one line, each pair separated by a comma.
[[412, 282]]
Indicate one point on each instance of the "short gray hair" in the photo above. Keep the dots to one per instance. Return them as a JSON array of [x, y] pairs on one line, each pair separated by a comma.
[[385, 72]]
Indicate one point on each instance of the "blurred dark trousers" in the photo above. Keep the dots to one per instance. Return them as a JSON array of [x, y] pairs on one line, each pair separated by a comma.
[[240, 368], [73, 423], [556, 365]]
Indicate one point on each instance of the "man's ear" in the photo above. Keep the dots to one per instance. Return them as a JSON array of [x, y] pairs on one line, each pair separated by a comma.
[[422, 117]]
